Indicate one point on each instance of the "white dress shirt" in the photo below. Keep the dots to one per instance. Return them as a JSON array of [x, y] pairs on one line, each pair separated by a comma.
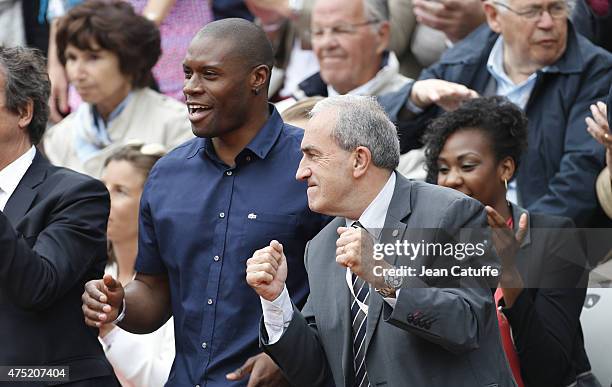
[[277, 314], [140, 360], [12, 174]]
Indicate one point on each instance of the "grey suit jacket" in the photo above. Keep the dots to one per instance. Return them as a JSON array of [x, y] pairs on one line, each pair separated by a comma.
[[435, 336]]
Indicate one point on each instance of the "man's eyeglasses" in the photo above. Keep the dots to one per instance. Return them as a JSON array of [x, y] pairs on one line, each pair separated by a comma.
[[340, 29], [556, 10]]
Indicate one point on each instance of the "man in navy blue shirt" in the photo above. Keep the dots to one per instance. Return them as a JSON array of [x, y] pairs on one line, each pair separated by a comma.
[[207, 206]]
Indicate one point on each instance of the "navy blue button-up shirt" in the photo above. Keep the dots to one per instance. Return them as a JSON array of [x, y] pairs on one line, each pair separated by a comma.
[[200, 221]]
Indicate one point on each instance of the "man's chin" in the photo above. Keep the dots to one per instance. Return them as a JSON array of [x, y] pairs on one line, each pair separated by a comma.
[[202, 132], [313, 204]]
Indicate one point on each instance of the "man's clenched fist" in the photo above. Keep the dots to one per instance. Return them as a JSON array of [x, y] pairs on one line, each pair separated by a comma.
[[354, 249], [102, 301], [267, 271]]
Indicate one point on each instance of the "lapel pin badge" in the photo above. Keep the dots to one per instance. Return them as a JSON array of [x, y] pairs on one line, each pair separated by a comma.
[[252, 216]]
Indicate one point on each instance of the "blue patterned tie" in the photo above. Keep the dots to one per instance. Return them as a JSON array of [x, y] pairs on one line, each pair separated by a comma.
[[359, 324]]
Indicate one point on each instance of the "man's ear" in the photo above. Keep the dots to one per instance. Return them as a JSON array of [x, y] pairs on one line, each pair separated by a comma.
[[384, 37], [259, 77], [362, 159], [493, 15], [26, 113]]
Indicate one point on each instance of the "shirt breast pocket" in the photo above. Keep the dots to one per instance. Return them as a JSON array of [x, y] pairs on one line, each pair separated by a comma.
[[262, 227]]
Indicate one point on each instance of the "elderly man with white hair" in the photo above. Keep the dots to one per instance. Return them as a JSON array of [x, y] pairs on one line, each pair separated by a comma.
[[351, 39], [530, 53]]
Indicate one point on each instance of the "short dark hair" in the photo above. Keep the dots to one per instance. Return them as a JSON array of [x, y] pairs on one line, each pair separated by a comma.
[[251, 45], [496, 117], [26, 79], [114, 26]]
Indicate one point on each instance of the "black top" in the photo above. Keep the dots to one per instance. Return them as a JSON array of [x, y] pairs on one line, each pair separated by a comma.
[[52, 241]]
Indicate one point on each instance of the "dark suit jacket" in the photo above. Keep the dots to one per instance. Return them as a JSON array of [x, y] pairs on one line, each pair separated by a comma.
[[545, 318], [52, 240], [434, 336]]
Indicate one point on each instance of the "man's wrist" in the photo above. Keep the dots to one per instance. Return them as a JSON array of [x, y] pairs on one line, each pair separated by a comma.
[[413, 103], [388, 282], [121, 315]]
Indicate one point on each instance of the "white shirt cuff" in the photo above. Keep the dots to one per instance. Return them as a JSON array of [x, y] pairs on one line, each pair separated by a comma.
[[277, 315], [108, 340]]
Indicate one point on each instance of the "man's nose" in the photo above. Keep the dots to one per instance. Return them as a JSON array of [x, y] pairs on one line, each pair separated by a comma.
[[191, 86], [546, 20], [303, 172], [327, 39], [453, 179], [78, 69]]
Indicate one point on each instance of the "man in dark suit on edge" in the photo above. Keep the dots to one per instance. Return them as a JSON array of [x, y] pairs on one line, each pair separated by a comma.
[[52, 241]]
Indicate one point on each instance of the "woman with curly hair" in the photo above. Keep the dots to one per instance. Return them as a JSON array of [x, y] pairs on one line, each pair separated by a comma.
[[476, 149]]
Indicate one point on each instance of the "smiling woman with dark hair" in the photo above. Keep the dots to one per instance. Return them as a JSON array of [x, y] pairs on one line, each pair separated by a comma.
[[476, 149], [108, 52]]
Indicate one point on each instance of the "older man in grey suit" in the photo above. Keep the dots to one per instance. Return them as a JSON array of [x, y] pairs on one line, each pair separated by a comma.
[[359, 327]]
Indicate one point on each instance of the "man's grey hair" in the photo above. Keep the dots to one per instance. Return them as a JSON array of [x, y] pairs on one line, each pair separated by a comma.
[[571, 4], [26, 79], [376, 10], [361, 121]]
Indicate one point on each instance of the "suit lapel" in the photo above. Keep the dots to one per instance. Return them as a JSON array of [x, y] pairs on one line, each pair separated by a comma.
[[395, 227], [25, 193]]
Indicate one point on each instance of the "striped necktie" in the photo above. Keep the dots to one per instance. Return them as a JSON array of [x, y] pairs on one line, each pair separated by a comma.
[[359, 324]]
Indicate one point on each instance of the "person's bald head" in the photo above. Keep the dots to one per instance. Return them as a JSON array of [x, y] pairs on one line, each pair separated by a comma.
[[249, 43], [227, 72]]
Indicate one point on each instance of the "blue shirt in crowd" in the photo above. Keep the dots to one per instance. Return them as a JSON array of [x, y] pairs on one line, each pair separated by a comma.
[[200, 221]]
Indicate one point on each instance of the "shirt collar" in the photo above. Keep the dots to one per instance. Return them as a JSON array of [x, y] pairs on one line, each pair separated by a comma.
[[373, 218], [495, 65], [12, 174], [265, 138], [97, 118]]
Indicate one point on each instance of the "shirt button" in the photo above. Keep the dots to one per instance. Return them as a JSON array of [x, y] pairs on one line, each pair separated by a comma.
[[221, 214], [216, 258], [228, 173], [248, 158], [210, 301], [204, 345]]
